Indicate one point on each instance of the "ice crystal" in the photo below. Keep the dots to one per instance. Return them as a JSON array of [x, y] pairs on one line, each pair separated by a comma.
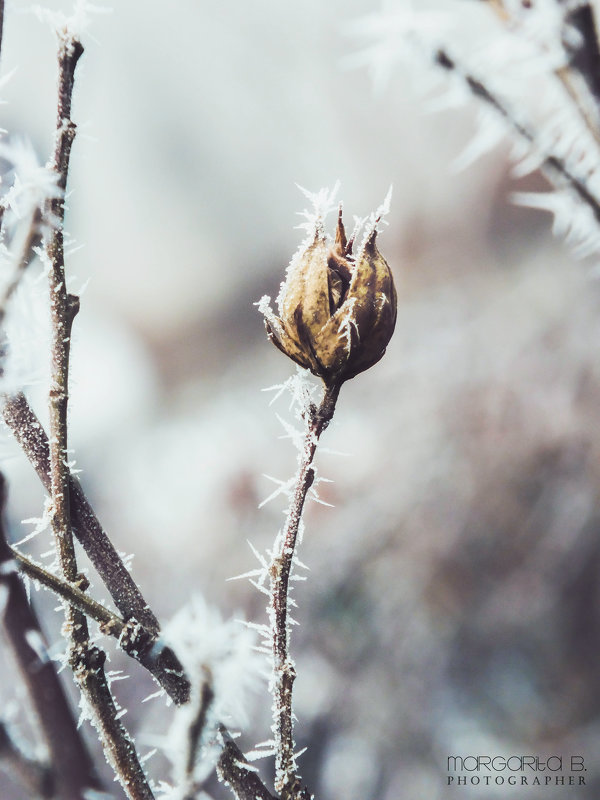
[[520, 67], [219, 652], [30, 183]]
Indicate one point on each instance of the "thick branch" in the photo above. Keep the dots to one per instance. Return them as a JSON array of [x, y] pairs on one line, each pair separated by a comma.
[[286, 780]]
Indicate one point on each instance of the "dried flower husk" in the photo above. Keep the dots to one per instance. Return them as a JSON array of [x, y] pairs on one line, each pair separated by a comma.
[[337, 312]]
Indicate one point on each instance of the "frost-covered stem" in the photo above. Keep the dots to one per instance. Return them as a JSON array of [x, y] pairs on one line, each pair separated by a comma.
[[235, 772], [286, 780], [86, 661], [583, 59], [158, 658], [70, 592], [554, 168], [34, 776], [29, 433], [71, 769], [135, 640]]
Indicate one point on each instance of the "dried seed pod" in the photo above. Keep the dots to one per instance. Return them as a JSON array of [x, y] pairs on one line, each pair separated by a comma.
[[337, 312]]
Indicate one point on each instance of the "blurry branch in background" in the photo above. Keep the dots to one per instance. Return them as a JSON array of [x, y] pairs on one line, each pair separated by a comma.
[[70, 769], [30, 773], [554, 168], [22, 257], [533, 67]]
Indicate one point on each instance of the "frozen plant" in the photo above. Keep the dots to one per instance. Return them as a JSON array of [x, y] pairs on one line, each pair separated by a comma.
[[533, 68], [336, 312]]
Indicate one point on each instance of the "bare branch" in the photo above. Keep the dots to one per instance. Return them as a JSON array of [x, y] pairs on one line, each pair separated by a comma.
[[86, 661], [21, 260], [159, 659], [135, 640], [286, 780], [235, 772], [30, 435], [202, 700]]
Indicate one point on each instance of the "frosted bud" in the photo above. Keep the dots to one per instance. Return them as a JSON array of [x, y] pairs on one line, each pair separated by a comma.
[[337, 311]]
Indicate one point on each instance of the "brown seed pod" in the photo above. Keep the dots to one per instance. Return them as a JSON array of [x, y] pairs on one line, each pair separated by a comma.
[[337, 311]]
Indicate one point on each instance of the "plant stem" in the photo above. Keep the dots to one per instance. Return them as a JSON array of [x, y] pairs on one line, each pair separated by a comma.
[[286, 779], [135, 640], [86, 661], [234, 771]]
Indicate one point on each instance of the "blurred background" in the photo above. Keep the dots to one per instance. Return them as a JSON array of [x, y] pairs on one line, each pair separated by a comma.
[[452, 605]]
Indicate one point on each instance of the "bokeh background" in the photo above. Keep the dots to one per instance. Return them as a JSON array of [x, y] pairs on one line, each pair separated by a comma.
[[452, 605]]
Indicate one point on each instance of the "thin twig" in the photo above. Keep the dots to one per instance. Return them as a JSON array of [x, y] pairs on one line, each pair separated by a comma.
[[135, 640], [29, 433], [71, 593], [158, 658], [86, 661], [286, 779], [555, 169], [235, 772], [21, 260], [196, 729], [71, 766]]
